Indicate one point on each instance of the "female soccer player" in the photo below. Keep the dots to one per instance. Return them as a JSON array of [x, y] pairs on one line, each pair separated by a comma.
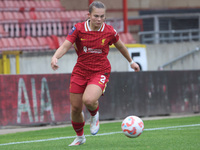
[[91, 73]]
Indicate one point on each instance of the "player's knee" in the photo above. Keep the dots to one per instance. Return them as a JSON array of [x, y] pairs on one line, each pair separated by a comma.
[[89, 102], [76, 110]]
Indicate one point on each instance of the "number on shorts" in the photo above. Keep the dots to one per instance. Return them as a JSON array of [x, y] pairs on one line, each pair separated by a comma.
[[103, 79]]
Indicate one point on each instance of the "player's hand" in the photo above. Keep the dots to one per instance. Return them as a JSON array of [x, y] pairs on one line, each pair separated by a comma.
[[135, 66], [54, 62]]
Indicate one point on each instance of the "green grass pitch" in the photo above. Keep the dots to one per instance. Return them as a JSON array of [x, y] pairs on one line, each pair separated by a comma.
[[163, 134]]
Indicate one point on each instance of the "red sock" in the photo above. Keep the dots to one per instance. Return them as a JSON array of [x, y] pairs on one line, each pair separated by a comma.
[[93, 112], [78, 127]]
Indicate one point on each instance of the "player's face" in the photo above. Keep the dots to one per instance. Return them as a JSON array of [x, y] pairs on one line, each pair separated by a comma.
[[97, 17]]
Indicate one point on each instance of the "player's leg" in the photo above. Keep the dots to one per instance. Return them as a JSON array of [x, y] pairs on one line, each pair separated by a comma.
[[77, 118], [76, 107], [90, 99], [95, 88], [76, 89]]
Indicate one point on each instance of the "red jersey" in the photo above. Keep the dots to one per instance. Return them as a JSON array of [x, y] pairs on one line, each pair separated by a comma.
[[92, 48]]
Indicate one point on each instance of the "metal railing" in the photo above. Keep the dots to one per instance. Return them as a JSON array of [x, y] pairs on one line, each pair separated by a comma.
[[179, 58], [157, 35], [170, 36]]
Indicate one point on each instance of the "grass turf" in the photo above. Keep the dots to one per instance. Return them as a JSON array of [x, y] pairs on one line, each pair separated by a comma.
[[180, 138]]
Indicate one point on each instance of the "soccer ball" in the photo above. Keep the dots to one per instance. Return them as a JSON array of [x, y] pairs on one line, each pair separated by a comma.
[[132, 126]]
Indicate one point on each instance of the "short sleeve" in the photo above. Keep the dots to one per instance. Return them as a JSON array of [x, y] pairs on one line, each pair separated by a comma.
[[73, 34], [115, 37]]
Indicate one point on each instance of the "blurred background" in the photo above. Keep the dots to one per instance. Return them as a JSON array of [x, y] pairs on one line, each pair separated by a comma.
[[162, 36]]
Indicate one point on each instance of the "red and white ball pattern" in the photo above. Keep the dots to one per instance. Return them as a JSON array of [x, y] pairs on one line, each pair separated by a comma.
[[132, 126]]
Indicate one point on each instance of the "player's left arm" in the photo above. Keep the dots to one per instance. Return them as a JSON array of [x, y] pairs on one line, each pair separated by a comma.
[[124, 51]]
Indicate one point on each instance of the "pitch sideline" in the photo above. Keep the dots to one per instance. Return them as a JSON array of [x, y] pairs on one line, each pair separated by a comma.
[[103, 134]]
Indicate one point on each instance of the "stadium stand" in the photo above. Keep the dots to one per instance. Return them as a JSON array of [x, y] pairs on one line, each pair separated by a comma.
[[27, 43], [30, 5], [29, 25]]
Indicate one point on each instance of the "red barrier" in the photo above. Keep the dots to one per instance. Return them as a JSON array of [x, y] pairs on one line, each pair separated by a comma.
[[34, 99], [44, 99]]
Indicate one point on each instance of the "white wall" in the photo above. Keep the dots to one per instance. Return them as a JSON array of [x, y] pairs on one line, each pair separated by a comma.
[[157, 55], [162, 53]]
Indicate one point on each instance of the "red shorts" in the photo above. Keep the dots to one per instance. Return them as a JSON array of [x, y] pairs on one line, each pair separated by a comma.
[[78, 83]]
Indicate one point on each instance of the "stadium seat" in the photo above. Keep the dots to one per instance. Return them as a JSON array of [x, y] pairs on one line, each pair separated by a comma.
[[48, 16], [18, 16], [1, 17], [55, 41], [5, 43], [21, 6], [43, 43], [29, 44], [2, 47], [61, 40], [51, 44], [54, 15], [51, 5], [12, 5], [21, 43], [63, 15], [12, 44], [56, 4], [127, 38], [8, 16], [8, 5], [27, 16], [31, 5], [35, 43], [32, 15], [2, 5], [39, 15]]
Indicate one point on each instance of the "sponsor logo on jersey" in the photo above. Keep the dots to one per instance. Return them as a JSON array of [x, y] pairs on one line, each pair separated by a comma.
[[73, 29], [91, 50]]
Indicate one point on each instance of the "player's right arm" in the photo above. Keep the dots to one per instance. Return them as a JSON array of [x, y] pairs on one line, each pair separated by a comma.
[[59, 53]]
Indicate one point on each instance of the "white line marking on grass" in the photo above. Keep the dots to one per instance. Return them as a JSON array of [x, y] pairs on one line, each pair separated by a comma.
[[110, 133], [172, 127]]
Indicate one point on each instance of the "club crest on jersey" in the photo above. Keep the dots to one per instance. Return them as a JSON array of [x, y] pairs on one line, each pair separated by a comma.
[[73, 29], [103, 41]]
